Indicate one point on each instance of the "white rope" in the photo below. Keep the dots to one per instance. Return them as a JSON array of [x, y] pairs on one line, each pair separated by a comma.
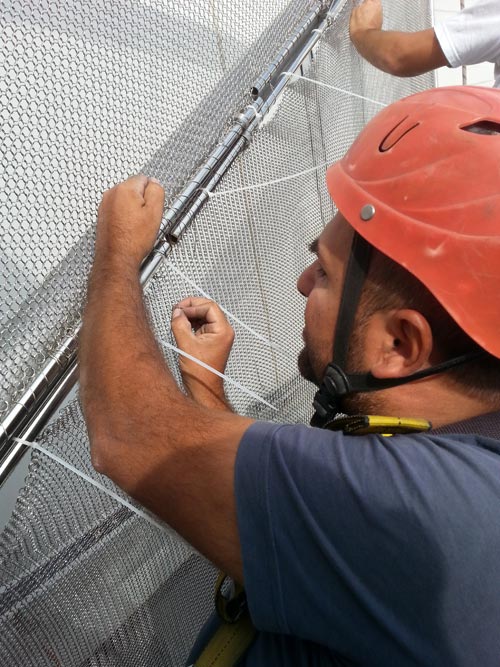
[[254, 333], [338, 90], [98, 485], [216, 372], [290, 177]]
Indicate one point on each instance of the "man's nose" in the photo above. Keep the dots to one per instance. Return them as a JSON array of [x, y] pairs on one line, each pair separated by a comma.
[[304, 282]]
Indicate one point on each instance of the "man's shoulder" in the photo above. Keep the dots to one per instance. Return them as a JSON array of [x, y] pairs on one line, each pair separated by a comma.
[[407, 520], [471, 36], [378, 463], [479, 430], [480, 426]]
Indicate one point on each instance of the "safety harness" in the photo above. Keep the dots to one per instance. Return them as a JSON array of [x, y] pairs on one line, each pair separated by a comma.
[[236, 631]]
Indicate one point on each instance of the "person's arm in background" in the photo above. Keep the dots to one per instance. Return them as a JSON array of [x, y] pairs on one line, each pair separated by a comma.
[[397, 53], [173, 455]]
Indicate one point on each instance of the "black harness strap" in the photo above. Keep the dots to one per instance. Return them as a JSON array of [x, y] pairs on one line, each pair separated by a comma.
[[354, 279]]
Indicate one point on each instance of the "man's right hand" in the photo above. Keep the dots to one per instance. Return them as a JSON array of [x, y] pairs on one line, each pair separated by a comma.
[[201, 330], [366, 16]]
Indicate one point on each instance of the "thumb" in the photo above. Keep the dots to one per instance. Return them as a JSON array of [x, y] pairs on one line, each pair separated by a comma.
[[154, 197], [181, 326]]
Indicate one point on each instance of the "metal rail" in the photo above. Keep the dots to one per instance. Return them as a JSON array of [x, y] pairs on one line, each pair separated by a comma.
[[34, 409]]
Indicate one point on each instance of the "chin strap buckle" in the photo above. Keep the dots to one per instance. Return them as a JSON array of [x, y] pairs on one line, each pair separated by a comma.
[[326, 401]]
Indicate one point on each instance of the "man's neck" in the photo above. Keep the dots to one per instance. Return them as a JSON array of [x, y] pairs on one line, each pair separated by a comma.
[[434, 399]]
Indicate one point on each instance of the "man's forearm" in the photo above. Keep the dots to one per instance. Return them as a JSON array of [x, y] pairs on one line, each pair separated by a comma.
[[174, 456], [400, 53], [210, 396], [121, 362]]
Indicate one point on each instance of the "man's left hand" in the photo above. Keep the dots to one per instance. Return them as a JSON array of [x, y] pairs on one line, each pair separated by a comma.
[[128, 221], [201, 329]]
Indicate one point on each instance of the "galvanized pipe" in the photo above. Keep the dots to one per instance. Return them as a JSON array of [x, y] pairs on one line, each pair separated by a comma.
[[284, 55], [272, 76], [32, 412]]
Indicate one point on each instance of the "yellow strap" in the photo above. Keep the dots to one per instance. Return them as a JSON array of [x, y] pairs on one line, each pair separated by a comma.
[[365, 424], [228, 644], [236, 632]]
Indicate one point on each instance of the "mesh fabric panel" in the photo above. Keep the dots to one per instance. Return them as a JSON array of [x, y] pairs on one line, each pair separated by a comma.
[[84, 580], [92, 92]]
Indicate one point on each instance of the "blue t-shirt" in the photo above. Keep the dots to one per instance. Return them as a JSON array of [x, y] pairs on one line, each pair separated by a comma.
[[370, 550]]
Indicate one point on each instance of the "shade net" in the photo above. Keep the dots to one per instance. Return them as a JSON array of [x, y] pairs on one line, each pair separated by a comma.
[[93, 92]]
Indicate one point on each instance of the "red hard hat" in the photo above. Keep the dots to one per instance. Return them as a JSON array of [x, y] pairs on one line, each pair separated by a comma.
[[422, 184]]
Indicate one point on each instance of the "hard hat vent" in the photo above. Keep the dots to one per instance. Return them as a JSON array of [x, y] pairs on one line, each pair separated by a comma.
[[409, 185], [404, 126], [483, 127]]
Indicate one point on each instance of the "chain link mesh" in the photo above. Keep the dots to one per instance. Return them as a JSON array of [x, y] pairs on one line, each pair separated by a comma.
[[93, 92]]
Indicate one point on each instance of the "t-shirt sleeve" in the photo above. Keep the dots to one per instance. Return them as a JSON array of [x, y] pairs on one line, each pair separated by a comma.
[[341, 536], [471, 36]]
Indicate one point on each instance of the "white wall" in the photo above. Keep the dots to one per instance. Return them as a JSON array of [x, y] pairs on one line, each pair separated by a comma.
[[476, 75]]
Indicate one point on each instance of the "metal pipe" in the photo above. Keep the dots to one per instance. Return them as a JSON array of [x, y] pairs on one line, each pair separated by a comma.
[[32, 412], [204, 175], [284, 54], [13, 450], [31, 402], [233, 144], [277, 89]]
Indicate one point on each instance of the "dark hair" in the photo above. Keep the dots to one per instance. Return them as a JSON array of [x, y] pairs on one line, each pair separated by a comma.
[[389, 286]]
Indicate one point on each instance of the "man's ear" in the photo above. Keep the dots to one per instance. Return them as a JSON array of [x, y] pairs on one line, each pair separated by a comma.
[[403, 343]]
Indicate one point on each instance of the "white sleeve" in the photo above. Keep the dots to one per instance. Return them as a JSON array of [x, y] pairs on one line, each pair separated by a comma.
[[473, 35]]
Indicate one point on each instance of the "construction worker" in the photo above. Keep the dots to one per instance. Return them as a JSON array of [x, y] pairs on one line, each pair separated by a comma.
[[355, 547], [466, 38]]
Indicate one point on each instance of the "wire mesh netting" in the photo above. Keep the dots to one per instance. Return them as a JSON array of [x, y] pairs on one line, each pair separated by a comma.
[[93, 93]]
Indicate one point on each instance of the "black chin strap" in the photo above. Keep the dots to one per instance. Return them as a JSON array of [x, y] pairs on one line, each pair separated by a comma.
[[354, 279], [337, 383], [326, 401]]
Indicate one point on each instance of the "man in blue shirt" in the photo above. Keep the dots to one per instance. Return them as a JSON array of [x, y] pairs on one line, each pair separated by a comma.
[[355, 548]]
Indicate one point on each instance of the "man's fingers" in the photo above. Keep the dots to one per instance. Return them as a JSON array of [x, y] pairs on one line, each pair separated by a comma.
[[207, 313], [193, 301], [199, 308], [181, 326]]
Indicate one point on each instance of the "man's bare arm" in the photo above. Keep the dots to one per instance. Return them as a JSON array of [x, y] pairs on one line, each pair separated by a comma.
[[398, 53], [173, 455]]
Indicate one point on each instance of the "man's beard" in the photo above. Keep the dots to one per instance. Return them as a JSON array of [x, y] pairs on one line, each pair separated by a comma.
[[306, 368], [354, 404]]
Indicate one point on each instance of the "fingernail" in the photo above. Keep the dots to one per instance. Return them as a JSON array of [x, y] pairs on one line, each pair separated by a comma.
[[176, 312], [154, 180]]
